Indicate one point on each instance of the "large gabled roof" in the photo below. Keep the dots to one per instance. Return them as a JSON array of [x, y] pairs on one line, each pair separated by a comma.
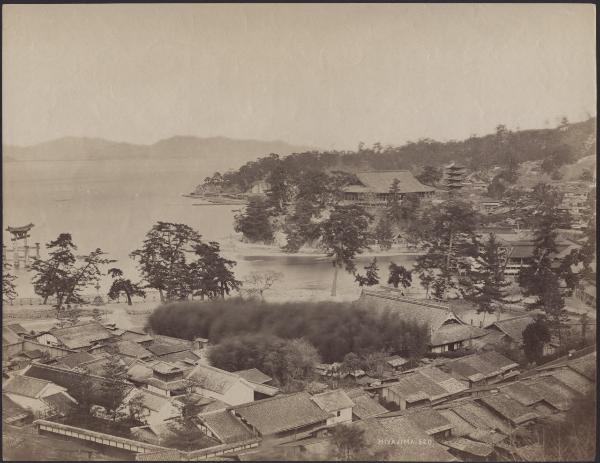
[[82, 335], [381, 181], [213, 379], [225, 426], [25, 386], [281, 413], [513, 327], [254, 375], [419, 311], [333, 401]]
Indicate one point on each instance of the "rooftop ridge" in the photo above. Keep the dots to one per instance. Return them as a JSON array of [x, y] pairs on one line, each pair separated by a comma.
[[396, 297], [63, 370]]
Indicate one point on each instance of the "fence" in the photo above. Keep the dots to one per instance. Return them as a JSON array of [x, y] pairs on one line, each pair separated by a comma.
[[152, 296], [199, 455], [98, 437]]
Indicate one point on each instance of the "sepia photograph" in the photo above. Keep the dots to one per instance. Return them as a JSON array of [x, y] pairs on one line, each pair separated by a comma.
[[299, 232]]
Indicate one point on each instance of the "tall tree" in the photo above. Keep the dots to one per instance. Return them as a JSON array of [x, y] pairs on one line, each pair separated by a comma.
[[371, 277], [59, 275], [344, 235], [211, 273], [535, 336], [486, 282], [394, 211], [52, 275], [399, 276], [383, 234], [254, 222], [278, 194], [447, 233], [123, 285], [163, 259], [115, 387]]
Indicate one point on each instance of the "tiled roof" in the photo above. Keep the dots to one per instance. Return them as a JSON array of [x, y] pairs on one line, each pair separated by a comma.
[[415, 387], [76, 359], [381, 181], [455, 332], [513, 327], [212, 379], [159, 348], [420, 311], [364, 406], [509, 408], [152, 401], [25, 386], [522, 393], [60, 402], [9, 336], [70, 379], [447, 382], [139, 370], [165, 368], [129, 335], [409, 442], [332, 401], [254, 375], [460, 427], [83, 335], [15, 327], [226, 427], [281, 413], [574, 380], [186, 356], [553, 391], [11, 411], [429, 420], [479, 449], [481, 365], [132, 349], [585, 366], [396, 361]]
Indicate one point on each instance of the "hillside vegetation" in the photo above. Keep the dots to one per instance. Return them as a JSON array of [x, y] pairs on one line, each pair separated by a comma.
[[505, 148]]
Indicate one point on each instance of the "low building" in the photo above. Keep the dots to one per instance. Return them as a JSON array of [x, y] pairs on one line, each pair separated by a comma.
[[508, 333], [482, 368], [365, 406], [374, 187], [395, 363], [167, 380], [226, 386], [293, 415], [337, 403], [77, 337], [36, 395], [254, 375], [432, 422], [13, 413], [399, 439], [425, 386], [224, 426], [447, 332], [155, 408], [586, 292]]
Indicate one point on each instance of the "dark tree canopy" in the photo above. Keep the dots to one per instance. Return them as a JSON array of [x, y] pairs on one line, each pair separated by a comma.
[[333, 328], [254, 221]]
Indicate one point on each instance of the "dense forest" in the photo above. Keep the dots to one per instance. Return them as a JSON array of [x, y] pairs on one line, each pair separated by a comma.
[[505, 148], [334, 329]]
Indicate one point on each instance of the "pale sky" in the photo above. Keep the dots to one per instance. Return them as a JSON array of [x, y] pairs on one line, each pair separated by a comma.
[[322, 75]]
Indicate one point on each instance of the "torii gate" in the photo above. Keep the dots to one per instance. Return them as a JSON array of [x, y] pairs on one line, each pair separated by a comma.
[[20, 253]]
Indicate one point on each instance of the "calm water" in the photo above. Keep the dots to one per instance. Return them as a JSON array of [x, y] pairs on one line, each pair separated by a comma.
[[112, 204]]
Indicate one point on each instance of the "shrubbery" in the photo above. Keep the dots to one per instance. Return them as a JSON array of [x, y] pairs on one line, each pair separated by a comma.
[[334, 328]]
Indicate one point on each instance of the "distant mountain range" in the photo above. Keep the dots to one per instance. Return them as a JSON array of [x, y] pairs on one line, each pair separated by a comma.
[[236, 151]]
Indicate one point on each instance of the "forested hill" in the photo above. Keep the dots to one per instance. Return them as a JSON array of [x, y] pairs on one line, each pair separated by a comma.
[[505, 148]]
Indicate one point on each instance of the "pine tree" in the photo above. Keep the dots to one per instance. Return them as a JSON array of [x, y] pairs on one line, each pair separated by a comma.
[[535, 335], [254, 222], [344, 235], [487, 285], [383, 233], [371, 277], [399, 276], [394, 211], [123, 285]]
